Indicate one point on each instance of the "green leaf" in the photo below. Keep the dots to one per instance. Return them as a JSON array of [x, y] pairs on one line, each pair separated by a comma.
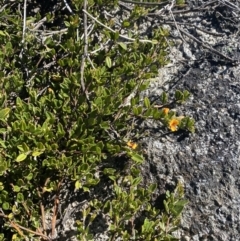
[[178, 207], [16, 188], [137, 158], [166, 206], [123, 45], [20, 182], [78, 185], [36, 153], [136, 181], [60, 130], [149, 112], [67, 24], [20, 148], [20, 197], [144, 85], [4, 113], [156, 114], [155, 41], [152, 187], [96, 149], [84, 167], [179, 95], [21, 157], [6, 206], [86, 189], [29, 176], [147, 102], [126, 23], [164, 98], [135, 110], [108, 62], [186, 95], [2, 33], [2, 237], [46, 189], [3, 167], [25, 147]]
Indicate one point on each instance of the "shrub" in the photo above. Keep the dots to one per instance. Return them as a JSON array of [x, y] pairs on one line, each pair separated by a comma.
[[68, 97]]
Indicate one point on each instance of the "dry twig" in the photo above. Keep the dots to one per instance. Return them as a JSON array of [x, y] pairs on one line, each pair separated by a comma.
[[147, 4], [19, 228], [85, 53]]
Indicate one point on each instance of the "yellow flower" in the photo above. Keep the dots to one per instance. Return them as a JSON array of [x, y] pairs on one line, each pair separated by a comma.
[[132, 145], [173, 124], [165, 111]]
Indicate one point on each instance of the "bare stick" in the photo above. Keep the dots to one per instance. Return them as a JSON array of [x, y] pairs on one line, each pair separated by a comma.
[[2, 8], [85, 46], [55, 208], [24, 20], [170, 10], [42, 206], [24, 26], [85, 52], [148, 4], [68, 7], [19, 227]]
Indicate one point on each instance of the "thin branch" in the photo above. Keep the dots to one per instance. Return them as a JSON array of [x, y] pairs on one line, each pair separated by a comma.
[[39, 23], [100, 48], [85, 46], [147, 4], [170, 10], [85, 53], [47, 33], [67, 6], [24, 20], [91, 27], [90, 61], [19, 227], [42, 206], [3, 7], [198, 9], [24, 26], [56, 207], [122, 36]]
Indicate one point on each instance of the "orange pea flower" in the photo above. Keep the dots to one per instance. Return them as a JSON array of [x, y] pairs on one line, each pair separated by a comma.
[[165, 111], [132, 145], [173, 124]]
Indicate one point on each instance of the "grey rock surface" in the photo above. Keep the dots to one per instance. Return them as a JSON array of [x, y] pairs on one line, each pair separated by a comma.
[[209, 160]]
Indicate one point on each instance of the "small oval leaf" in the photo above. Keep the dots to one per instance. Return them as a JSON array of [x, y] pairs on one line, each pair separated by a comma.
[[20, 197], [37, 153], [4, 113], [5, 206], [137, 158], [147, 102], [21, 157], [108, 62], [123, 45]]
